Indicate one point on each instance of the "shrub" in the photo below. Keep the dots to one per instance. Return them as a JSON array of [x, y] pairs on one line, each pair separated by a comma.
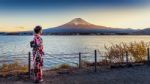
[[137, 51]]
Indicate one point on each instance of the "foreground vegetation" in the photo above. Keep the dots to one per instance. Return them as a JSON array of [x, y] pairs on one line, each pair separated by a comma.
[[13, 69], [137, 51]]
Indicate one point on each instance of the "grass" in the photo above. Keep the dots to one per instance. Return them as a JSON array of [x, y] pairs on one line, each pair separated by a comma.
[[62, 66], [15, 69], [12, 69], [64, 69], [137, 51]]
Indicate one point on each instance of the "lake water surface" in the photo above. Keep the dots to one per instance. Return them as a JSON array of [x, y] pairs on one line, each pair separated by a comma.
[[13, 45]]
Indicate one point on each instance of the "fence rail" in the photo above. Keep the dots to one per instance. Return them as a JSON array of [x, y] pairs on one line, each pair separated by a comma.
[[76, 58]]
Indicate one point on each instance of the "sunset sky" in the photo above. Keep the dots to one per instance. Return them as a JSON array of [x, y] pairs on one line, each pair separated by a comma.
[[22, 15]]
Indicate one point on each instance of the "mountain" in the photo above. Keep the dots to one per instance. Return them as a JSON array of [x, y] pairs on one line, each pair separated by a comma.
[[78, 25], [145, 31]]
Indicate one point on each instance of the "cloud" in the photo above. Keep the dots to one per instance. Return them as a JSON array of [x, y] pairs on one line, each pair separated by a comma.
[[20, 27]]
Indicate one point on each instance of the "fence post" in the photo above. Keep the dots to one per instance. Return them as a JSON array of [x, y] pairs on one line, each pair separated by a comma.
[[95, 64], [127, 58], [29, 63], [148, 57], [80, 60]]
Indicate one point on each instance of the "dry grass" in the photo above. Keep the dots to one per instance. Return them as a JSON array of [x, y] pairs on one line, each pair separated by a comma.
[[63, 69], [62, 66], [136, 50], [12, 69], [100, 63]]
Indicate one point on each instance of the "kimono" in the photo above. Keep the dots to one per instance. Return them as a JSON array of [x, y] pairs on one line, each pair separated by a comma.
[[38, 52]]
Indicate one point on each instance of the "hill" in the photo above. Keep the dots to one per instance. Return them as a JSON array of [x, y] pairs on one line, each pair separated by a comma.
[[142, 32]]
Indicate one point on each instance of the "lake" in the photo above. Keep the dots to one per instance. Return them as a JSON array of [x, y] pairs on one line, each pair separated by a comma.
[[55, 45]]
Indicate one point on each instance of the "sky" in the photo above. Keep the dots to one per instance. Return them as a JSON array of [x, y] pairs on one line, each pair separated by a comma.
[[22, 15]]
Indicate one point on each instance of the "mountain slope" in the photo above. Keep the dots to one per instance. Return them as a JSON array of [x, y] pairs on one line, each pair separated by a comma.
[[80, 23]]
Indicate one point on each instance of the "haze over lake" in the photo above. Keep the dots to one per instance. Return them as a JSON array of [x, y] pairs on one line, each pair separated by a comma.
[[13, 45]]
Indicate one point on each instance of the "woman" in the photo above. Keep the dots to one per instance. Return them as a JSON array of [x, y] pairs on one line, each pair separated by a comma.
[[38, 52]]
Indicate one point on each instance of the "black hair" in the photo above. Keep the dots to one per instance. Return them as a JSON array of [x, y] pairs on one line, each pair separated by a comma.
[[37, 29]]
